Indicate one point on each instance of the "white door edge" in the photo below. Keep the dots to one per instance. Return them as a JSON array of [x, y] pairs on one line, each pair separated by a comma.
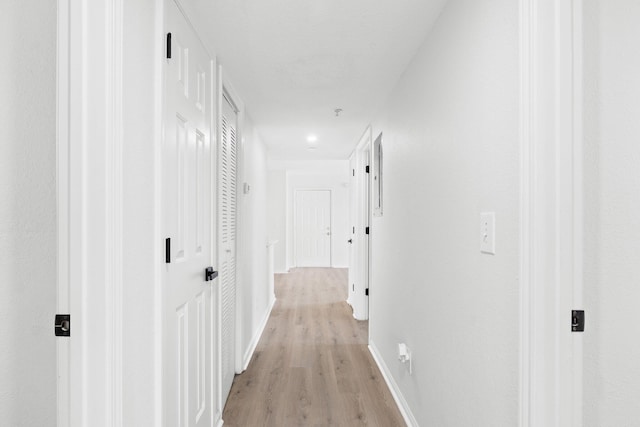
[[551, 213], [90, 211], [362, 220]]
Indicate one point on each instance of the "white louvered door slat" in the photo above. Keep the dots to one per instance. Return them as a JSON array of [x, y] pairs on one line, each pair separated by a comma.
[[227, 218]]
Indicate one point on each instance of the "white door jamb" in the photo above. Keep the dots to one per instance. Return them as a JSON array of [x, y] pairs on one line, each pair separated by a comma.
[[89, 192], [551, 213]]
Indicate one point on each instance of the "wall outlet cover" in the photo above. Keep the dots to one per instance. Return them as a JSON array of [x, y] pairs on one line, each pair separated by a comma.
[[488, 233]]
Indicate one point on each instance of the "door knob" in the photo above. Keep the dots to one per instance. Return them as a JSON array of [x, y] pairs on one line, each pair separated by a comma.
[[350, 241], [209, 274]]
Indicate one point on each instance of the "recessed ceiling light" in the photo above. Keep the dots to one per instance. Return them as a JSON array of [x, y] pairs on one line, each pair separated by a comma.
[[312, 138]]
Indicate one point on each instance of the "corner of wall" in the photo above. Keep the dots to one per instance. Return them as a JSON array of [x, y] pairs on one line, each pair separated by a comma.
[[251, 348]]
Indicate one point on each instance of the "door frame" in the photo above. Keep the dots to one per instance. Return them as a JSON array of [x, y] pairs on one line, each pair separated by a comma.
[[90, 212], [225, 88], [362, 218], [551, 208], [295, 222]]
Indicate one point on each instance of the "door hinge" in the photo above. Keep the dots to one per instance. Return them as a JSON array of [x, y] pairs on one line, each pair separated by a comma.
[[354, 230], [62, 325], [366, 292], [168, 45], [366, 230], [354, 172], [577, 321], [366, 169], [167, 250]]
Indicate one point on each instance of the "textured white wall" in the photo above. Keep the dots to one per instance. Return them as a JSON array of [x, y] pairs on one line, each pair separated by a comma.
[[450, 152], [612, 204], [277, 217], [27, 213], [141, 243], [253, 258]]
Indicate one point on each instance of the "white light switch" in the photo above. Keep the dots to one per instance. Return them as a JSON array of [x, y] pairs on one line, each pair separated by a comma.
[[488, 233]]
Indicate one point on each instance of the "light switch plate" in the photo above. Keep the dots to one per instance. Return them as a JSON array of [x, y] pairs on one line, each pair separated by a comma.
[[488, 233]]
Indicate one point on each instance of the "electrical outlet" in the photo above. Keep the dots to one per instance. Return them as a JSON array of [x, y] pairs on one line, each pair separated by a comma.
[[404, 356], [488, 233]]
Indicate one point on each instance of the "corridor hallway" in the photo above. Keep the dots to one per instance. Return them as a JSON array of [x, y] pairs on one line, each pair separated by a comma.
[[312, 366]]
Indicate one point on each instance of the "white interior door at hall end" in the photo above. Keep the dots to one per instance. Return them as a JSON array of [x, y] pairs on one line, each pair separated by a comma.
[[313, 228], [228, 165], [187, 329]]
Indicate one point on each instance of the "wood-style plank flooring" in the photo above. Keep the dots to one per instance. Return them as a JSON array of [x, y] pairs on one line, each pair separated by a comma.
[[312, 366]]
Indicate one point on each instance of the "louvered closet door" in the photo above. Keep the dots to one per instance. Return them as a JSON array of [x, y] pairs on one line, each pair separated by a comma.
[[187, 327], [227, 233]]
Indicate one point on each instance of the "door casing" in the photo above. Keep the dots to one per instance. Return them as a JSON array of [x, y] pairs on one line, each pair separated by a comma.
[[360, 269], [90, 391]]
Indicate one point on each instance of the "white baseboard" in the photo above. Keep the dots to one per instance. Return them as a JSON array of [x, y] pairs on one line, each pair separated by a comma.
[[393, 387], [256, 337]]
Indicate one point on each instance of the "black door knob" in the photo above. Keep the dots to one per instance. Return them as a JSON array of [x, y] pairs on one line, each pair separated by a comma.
[[209, 274], [350, 240]]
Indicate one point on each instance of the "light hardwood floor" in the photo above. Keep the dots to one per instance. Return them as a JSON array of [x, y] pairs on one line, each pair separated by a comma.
[[312, 366]]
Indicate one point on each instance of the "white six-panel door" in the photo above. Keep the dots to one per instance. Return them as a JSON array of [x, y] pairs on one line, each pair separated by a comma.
[[313, 228], [187, 218], [227, 205]]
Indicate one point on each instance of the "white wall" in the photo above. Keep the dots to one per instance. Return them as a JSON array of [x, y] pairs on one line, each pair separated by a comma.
[[253, 280], [27, 213], [612, 204], [141, 240], [450, 152], [277, 217]]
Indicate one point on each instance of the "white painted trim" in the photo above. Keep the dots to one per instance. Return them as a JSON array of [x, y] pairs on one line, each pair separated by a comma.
[[218, 132], [226, 88], [248, 354], [62, 198], [402, 404], [160, 46], [526, 182], [233, 96], [115, 219], [551, 213], [578, 204], [362, 243], [89, 167], [216, 294]]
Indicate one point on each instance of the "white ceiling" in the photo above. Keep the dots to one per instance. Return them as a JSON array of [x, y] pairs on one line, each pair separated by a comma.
[[294, 62]]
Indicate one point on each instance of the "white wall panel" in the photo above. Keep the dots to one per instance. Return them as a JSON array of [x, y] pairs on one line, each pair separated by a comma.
[[451, 151], [28, 213], [612, 203], [256, 294]]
